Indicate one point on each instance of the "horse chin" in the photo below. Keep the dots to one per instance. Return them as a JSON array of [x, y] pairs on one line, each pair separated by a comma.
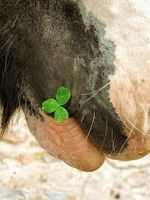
[[66, 141]]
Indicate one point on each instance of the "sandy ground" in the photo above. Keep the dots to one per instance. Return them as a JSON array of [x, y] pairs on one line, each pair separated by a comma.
[[27, 172]]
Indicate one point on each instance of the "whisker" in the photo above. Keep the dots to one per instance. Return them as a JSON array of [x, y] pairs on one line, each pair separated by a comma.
[[135, 127], [10, 25], [15, 21], [134, 145], [97, 92], [129, 128], [86, 94], [94, 115], [82, 119], [7, 53], [106, 130], [131, 131], [6, 59], [113, 140], [7, 42], [142, 143], [146, 117]]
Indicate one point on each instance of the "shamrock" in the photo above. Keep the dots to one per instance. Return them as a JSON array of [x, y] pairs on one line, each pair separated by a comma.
[[56, 105]]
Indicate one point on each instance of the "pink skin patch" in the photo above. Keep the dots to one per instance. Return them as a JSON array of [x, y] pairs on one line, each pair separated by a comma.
[[66, 142]]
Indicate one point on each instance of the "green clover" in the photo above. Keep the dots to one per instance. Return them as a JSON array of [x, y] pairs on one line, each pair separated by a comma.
[[55, 106]]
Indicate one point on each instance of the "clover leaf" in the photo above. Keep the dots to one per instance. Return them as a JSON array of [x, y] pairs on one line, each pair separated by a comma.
[[50, 105], [63, 95], [55, 106], [61, 114]]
